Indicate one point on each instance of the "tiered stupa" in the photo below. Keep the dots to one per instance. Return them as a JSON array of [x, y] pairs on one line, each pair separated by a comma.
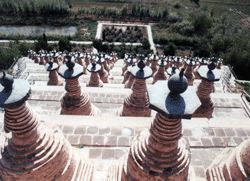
[[34, 150], [36, 57], [172, 70], [137, 104], [154, 63], [178, 62], [160, 153], [95, 80], [106, 63], [75, 102], [129, 62], [160, 74], [209, 74], [42, 61], [189, 71], [202, 61], [79, 58], [231, 165], [129, 82], [53, 76], [103, 72]]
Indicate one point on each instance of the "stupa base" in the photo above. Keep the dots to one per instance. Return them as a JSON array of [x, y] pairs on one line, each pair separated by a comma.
[[118, 172], [58, 83], [133, 112], [90, 110], [132, 166]]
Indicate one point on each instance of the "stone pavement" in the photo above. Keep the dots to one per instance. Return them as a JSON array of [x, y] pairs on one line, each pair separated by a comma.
[[104, 139]]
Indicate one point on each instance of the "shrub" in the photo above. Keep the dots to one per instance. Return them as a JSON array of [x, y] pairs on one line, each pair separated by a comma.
[[238, 55], [201, 22], [185, 28], [221, 43], [8, 54], [145, 44], [41, 43], [64, 44], [24, 47], [177, 5], [97, 43], [196, 2], [170, 49], [202, 48]]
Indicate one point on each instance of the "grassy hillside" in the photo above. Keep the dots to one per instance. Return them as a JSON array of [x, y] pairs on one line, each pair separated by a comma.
[[218, 6]]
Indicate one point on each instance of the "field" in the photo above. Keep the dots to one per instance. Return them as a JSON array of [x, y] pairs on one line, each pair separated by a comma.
[[218, 6]]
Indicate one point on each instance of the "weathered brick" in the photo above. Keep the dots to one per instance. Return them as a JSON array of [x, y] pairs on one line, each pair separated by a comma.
[[104, 131], [106, 100], [112, 100], [92, 130], [238, 140], [116, 131], [240, 132], [119, 153], [102, 95], [206, 142], [219, 132], [107, 154], [115, 95], [95, 153], [98, 140], [228, 141], [217, 141], [74, 139], [123, 141], [86, 140], [208, 131], [98, 99], [68, 129], [110, 140], [230, 131], [94, 94], [108, 95], [80, 130]]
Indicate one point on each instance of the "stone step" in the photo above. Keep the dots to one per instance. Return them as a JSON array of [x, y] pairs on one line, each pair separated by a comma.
[[105, 85], [84, 78]]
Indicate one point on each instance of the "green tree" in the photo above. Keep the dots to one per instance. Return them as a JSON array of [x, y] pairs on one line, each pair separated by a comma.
[[145, 44], [202, 48], [238, 55], [97, 43], [201, 22], [41, 43], [64, 44], [24, 47], [197, 2], [170, 49], [8, 54]]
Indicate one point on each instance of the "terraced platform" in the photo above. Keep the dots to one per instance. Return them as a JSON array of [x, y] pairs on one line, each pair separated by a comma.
[[104, 139]]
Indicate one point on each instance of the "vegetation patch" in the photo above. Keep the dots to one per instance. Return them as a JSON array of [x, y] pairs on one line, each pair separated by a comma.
[[246, 87], [132, 34], [31, 8], [14, 50]]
